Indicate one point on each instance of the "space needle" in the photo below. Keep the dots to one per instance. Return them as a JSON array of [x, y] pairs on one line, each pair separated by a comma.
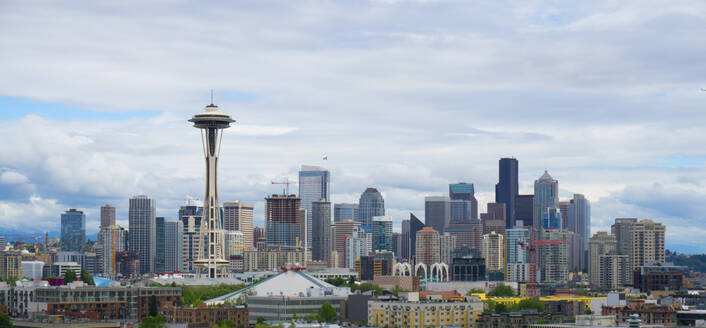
[[211, 251]]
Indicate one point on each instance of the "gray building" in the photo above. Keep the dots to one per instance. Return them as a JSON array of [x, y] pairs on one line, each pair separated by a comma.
[[107, 216], [321, 230], [173, 245], [621, 230], [414, 226], [314, 185], [405, 239], [345, 211], [143, 231], [437, 212], [579, 222], [371, 204], [546, 196], [238, 216], [73, 230], [506, 190]]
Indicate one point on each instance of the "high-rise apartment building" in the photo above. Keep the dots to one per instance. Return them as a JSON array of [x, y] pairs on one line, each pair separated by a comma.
[[507, 187], [284, 224], [173, 245], [464, 191], [494, 251], [546, 195], [321, 230], [191, 228], [647, 243], [579, 222], [143, 232], [382, 233], [314, 185], [371, 204], [113, 240], [600, 244], [414, 226], [107, 216], [238, 216], [447, 244], [428, 244], [614, 271], [517, 259], [524, 209], [621, 230], [10, 265], [437, 212], [339, 231], [554, 257], [73, 231], [345, 211], [355, 248]]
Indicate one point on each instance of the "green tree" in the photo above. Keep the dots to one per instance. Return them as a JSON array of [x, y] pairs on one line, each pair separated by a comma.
[[154, 310], [87, 278], [69, 276], [490, 306], [529, 304], [261, 320], [501, 308], [588, 311], [327, 313], [351, 280], [5, 321], [153, 322], [502, 291]]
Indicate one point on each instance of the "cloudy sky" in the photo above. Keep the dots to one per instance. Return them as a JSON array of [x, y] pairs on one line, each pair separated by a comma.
[[405, 96]]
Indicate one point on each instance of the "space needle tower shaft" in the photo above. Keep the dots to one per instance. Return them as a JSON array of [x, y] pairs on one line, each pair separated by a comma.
[[211, 253]]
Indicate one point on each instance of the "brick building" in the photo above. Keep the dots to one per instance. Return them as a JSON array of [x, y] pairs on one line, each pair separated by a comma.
[[205, 316]]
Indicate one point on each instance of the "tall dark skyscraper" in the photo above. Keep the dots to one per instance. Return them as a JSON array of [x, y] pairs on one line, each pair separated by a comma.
[[143, 231], [414, 225], [437, 212], [160, 246], [507, 188], [320, 232], [524, 209], [314, 184], [371, 204], [73, 230]]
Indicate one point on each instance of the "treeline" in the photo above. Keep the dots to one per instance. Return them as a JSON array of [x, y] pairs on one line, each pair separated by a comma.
[[695, 263]]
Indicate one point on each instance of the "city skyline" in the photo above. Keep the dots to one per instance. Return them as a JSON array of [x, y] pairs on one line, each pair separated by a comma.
[[621, 135]]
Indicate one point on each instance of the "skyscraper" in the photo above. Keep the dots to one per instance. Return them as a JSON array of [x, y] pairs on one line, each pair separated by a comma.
[[191, 228], [211, 123], [579, 222], [464, 191], [114, 240], [339, 231], [460, 211], [447, 244], [524, 209], [552, 218], [437, 212], [554, 257], [370, 204], [107, 216], [259, 238], [517, 260], [621, 230], [414, 226], [546, 195], [284, 225], [382, 233], [405, 239], [160, 246], [238, 216], [143, 231], [173, 244], [428, 246], [495, 219], [355, 248], [321, 221], [647, 243], [494, 251], [600, 244], [344, 211], [313, 186], [396, 244], [73, 230], [507, 187]]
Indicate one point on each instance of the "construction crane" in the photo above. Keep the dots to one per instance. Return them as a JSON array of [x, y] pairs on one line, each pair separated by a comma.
[[291, 182], [531, 247]]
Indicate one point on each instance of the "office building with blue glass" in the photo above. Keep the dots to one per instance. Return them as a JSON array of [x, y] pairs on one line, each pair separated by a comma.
[[73, 230]]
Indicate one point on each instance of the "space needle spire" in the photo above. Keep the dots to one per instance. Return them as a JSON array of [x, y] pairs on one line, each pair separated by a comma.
[[211, 252]]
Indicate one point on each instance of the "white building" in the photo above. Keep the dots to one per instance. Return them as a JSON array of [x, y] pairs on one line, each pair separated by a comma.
[[33, 269]]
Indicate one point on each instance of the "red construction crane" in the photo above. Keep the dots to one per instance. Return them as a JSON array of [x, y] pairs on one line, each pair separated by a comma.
[[532, 249], [285, 182]]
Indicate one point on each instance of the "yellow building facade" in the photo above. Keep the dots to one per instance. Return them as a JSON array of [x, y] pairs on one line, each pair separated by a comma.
[[423, 314]]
